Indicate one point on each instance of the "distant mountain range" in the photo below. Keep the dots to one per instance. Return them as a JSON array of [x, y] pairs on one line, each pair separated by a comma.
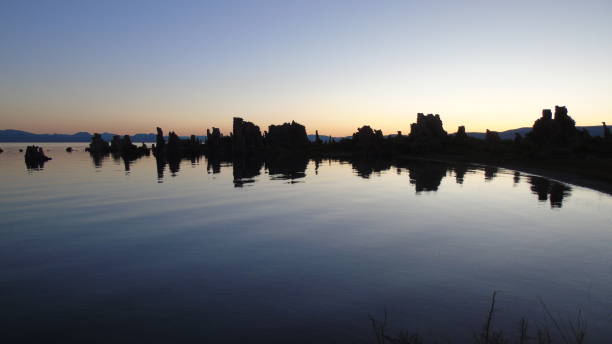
[[11, 135]]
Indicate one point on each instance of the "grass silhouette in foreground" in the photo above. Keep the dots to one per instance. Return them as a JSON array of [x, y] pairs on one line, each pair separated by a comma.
[[572, 332]]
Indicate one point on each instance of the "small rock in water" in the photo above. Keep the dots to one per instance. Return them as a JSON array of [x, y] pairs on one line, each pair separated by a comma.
[[20, 150], [69, 149]]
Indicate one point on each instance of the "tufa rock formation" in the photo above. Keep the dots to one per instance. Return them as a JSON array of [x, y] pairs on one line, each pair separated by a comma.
[[98, 145], [246, 137], [213, 140], [566, 125], [317, 138], [177, 148], [173, 147], [368, 138], [217, 144], [461, 135], [492, 137], [126, 149], [290, 136], [557, 130], [429, 126], [160, 143], [35, 158]]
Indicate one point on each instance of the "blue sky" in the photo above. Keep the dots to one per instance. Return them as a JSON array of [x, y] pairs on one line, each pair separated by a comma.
[[128, 66]]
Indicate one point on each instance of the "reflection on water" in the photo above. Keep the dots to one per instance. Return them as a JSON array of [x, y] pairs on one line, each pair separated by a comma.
[[460, 171], [289, 168], [290, 248], [490, 172], [546, 188], [36, 165], [426, 176], [245, 170]]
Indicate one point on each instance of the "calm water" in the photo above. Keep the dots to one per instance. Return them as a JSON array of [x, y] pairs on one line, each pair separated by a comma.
[[290, 251]]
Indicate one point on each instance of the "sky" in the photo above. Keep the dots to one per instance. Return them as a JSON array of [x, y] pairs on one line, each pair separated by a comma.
[[129, 66]]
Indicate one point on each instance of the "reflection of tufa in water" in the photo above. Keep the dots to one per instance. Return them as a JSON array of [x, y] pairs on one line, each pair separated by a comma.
[[287, 168], [245, 170], [546, 189]]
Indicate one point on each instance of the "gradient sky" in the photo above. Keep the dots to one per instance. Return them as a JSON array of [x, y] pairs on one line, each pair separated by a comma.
[[128, 66]]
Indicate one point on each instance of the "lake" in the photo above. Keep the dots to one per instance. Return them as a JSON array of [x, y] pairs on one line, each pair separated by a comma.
[[291, 250]]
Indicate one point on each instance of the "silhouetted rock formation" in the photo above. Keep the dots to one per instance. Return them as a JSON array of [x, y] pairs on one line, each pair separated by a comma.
[[544, 188], [289, 136], [124, 148], [192, 147], [566, 125], [246, 137], [69, 149], [1, 150], [551, 138], [429, 126], [492, 137], [557, 130], [115, 145], [218, 145], [160, 143], [427, 134], [461, 134], [176, 147], [368, 139], [317, 138], [35, 157], [543, 128], [213, 140], [173, 147], [98, 145]]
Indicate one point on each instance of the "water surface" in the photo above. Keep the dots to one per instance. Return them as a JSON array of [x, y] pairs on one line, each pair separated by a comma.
[[290, 250]]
